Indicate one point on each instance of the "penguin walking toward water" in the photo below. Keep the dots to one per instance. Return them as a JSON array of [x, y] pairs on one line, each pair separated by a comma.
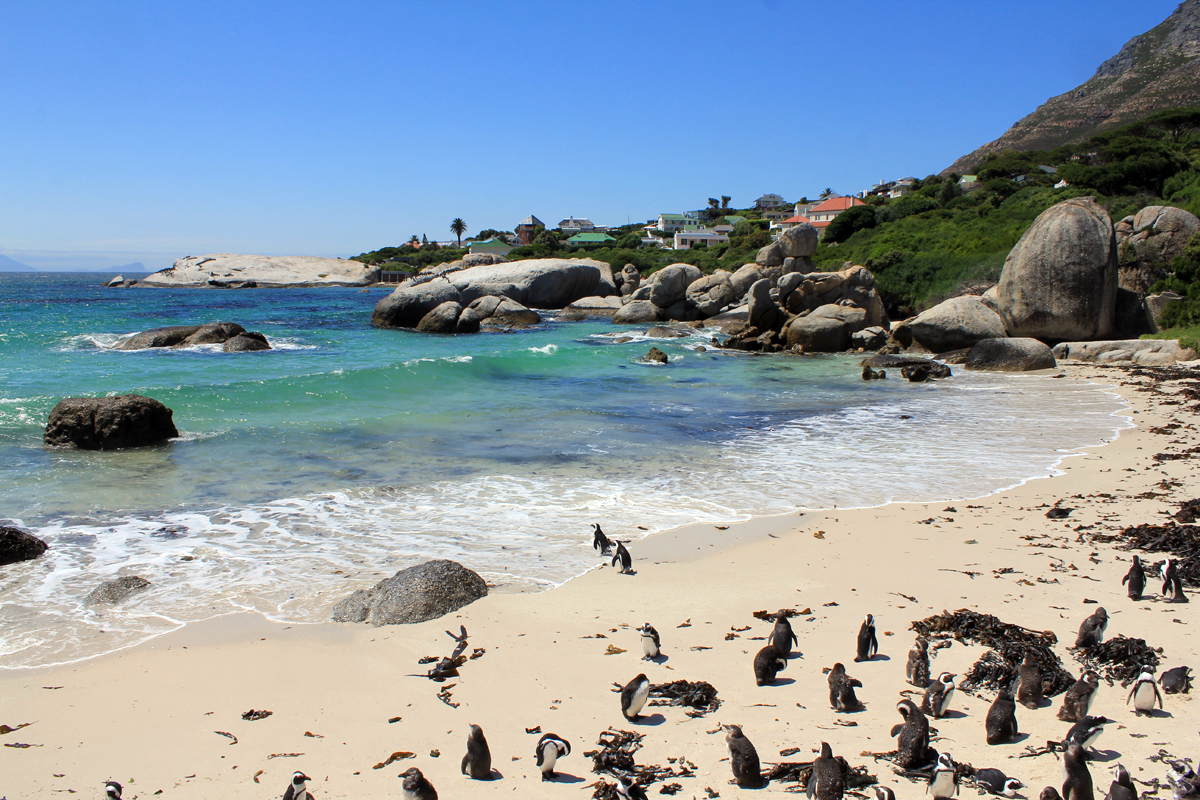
[[623, 558], [1077, 781], [944, 782], [996, 782], [1136, 578], [868, 645], [1078, 699], [477, 763], [416, 786], [841, 690], [1001, 723], [1176, 680], [828, 779], [112, 790], [747, 773], [1122, 787], [767, 663], [651, 644], [937, 696], [599, 540], [912, 748], [633, 697], [1091, 630], [1085, 733], [550, 748], [296, 790], [1144, 693], [1029, 682], [627, 788], [916, 671], [1172, 590], [782, 636]]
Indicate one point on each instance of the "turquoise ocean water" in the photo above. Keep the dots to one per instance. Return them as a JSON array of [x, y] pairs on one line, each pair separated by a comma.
[[347, 452]]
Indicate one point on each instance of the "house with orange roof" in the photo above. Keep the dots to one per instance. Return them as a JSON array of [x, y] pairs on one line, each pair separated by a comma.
[[822, 214]]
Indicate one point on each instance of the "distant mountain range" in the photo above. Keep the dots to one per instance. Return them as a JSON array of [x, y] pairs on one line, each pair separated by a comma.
[[8, 265], [1159, 69]]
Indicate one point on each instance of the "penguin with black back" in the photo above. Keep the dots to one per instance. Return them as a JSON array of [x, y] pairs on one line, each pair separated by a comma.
[[633, 697], [1085, 732], [996, 782], [767, 663], [550, 748], [1172, 590], [743, 758], [651, 643], [1176, 680], [112, 790], [828, 779], [1029, 681], [936, 701], [477, 763], [416, 786], [296, 790], [1122, 787], [1077, 781], [1050, 793], [1136, 579], [1091, 630], [1144, 693], [883, 792], [1001, 723], [627, 788], [1078, 699], [623, 558], [912, 748], [599, 540], [841, 690], [944, 782], [868, 645], [916, 671], [782, 635]]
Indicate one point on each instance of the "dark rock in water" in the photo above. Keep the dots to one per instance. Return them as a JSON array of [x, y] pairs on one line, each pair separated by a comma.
[[158, 337], [659, 332], [919, 373], [247, 342], [426, 591], [17, 545], [871, 375], [894, 361], [1010, 355], [111, 592], [657, 356], [109, 423], [213, 333]]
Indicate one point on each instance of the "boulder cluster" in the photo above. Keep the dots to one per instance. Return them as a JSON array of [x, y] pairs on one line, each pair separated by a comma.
[[232, 337], [109, 423]]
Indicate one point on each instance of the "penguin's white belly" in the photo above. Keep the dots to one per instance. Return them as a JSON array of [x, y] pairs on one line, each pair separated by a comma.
[[1143, 698], [549, 756], [944, 703], [943, 785], [639, 699], [649, 647]]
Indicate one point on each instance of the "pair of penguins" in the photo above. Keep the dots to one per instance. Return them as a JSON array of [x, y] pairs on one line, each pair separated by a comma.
[[604, 545], [772, 659], [477, 763], [827, 782], [1172, 588], [415, 786]]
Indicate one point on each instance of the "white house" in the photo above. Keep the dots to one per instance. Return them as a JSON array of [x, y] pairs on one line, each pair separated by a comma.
[[670, 223], [573, 226], [684, 240], [769, 201]]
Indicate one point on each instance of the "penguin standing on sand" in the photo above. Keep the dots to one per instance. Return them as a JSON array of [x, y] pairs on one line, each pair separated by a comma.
[[1144, 693], [627, 788], [996, 782], [550, 748], [782, 636], [937, 697], [916, 672], [1122, 786], [747, 772], [868, 645], [416, 786], [1176, 680], [944, 783], [828, 779], [1078, 699], [633, 697], [1001, 724], [1136, 578], [623, 558], [912, 748], [1077, 781], [112, 789], [767, 663], [1091, 630], [841, 690], [599, 540], [650, 641], [296, 790], [1085, 733], [1029, 681], [477, 763], [1172, 590]]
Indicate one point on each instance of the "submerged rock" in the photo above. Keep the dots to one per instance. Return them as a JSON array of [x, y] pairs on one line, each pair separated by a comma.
[[424, 592], [109, 423], [114, 591], [657, 356], [17, 545]]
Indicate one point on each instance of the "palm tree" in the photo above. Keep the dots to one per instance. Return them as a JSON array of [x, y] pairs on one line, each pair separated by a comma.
[[414, 241], [825, 195], [458, 228]]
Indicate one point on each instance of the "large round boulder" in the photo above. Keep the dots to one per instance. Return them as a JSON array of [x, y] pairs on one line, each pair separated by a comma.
[[1060, 280], [1149, 241], [1010, 355], [535, 282], [158, 337], [503, 312], [853, 317], [763, 313], [17, 545], [441, 319], [408, 305], [669, 285], [109, 423], [815, 334], [798, 242], [424, 592], [955, 324], [246, 342], [743, 278], [214, 333], [710, 294], [637, 312], [770, 256]]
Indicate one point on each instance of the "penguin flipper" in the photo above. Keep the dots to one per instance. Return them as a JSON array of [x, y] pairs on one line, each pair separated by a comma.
[[463, 768], [1158, 696]]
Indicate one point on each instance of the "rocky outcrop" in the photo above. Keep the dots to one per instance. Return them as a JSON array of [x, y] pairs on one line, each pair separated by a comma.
[[1148, 241], [1145, 352], [595, 306], [744, 278], [1010, 355], [955, 324], [180, 336], [248, 342], [925, 371], [669, 285], [818, 334], [638, 312], [443, 318], [109, 423], [1060, 280], [228, 270], [628, 280], [1156, 304], [710, 293], [408, 305], [16, 545], [656, 356], [114, 591], [798, 242], [424, 592]]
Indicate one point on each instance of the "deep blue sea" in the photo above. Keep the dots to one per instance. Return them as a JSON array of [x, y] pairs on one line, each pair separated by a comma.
[[347, 452]]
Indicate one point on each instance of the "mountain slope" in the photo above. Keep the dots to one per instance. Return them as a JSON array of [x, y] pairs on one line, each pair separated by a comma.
[[1159, 69], [8, 265]]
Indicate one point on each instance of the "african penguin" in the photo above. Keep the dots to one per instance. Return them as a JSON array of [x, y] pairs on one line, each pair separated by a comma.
[[884, 793], [782, 636], [944, 782], [1050, 793], [1077, 781], [623, 558], [1029, 682], [550, 748], [1172, 590], [1136, 578], [1144, 693], [633, 697], [1176, 680], [767, 663], [416, 786], [937, 697], [650, 641], [996, 782], [743, 758], [1122, 786], [916, 671], [627, 789], [1001, 723], [841, 690], [912, 748], [113, 789], [868, 645], [477, 763], [1078, 699], [1091, 630], [296, 790], [1085, 732], [828, 779], [599, 540], [1183, 780]]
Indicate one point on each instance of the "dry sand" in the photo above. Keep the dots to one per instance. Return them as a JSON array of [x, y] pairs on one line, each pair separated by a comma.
[[148, 717]]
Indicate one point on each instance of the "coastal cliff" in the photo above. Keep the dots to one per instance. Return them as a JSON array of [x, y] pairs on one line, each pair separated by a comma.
[[232, 271]]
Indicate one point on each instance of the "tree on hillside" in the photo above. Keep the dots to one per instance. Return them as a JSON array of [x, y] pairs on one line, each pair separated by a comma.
[[1176, 121], [725, 202], [850, 222], [825, 194], [458, 228]]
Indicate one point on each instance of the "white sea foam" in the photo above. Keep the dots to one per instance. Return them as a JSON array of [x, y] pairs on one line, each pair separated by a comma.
[[549, 349]]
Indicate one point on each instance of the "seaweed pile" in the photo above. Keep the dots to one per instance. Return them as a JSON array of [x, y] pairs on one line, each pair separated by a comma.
[[699, 695], [616, 754], [1181, 541], [1010, 643], [1119, 659], [800, 772]]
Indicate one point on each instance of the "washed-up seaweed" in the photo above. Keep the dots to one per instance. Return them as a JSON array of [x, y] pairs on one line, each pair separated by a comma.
[[1181, 541], [800, 772], [252, 715], [396, 756], [699, 695], [8, 729], [448, 667], [771, 616], [616, 754], [1119, 659], [444, 695], [1009, 645], [227, 735]]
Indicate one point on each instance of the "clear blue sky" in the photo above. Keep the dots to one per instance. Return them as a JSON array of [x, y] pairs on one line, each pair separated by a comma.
[[149, 131]]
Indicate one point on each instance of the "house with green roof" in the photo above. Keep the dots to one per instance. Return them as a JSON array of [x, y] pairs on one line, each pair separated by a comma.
[[494, 246], [591, 239]]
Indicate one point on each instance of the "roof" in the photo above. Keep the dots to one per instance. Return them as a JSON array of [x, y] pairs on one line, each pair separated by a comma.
[[532, 220], [571, 221], [492, 241], [836, 204], [969, 179], [734, 220], [591, 238], [798, 220], [679, 217]]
